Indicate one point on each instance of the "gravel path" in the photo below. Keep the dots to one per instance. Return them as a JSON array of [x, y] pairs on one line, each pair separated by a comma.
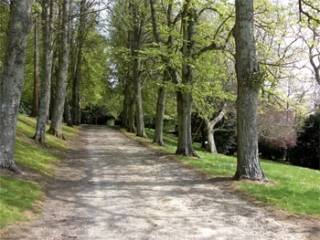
[[113, 188]]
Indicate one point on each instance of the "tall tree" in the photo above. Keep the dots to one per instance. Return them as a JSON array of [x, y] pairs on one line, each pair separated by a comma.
[[138, 18], [249, 79], [169, 73], [76, 110], [47, 60], [60, 97], [184, 95], [36, 67], [11, 81]]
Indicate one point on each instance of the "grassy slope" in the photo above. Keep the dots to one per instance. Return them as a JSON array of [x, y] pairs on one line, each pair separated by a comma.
[[17, 196], [293, 189]]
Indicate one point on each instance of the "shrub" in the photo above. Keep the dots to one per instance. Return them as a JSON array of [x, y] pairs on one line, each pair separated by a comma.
[[307, 151]]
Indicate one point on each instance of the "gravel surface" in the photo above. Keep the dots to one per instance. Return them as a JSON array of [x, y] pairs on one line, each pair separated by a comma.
[[112, 188]]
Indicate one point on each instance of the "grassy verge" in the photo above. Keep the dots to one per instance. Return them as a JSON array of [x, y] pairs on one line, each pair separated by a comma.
[[19, 196], [293, 189]]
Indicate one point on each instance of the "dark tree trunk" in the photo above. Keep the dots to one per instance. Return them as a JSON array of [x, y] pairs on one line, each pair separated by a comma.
[[11, 81], [249, 78], [184, 96], [67, 113], [36, 69], [125, 107], [131, 113], [45, 91], [158, 134], [168, 74], [60, 97], [76, 109], [135, 43], [138, 97]]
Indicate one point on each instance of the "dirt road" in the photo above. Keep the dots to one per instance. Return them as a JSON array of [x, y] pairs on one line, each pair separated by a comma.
[[112, 188]]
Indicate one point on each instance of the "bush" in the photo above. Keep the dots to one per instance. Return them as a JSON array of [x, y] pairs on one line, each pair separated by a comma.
[[307, 151]]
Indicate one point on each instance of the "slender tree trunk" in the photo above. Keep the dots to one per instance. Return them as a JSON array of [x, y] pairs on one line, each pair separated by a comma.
[[45, 91], [168, 73], [211, 147], [138, 97], [67, 113], [184, 97], [76, 109], [135, 43], [58, 109], [125, 106], [249, 78], [210, 125], [131, 114], [36, 69], [11, 81], [158, 135]]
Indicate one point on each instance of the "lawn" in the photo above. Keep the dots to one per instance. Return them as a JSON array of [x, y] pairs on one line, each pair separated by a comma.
[[18, 196], [293, 189]]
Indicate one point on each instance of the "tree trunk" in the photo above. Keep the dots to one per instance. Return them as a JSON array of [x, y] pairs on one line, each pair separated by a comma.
[[58, 109], [11, 81], [211, 147], [184, 96], [67, 113], [76, 109], [45, 91], [131, 113], [184, 105], [138, 99], [249, 78], [36, 69], [210, 125], [125, 107], [158, 134], [135, 43]]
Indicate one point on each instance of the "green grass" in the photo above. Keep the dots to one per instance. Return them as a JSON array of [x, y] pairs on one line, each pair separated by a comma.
[[17, 195], [291, 188]]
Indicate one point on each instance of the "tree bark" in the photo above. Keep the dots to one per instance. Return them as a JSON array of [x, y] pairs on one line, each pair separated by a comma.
[[45, 91], [11, 81], [58, 109], [158, 134], [135, 43], [249, 78], [36, 69], [184, 96], [210, 124], [76, 109], [168, 73]]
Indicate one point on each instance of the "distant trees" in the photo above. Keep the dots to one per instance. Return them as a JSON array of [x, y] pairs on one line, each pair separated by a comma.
[[12, 77]]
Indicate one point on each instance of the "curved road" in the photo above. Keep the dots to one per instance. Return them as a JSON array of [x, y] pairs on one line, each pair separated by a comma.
[[112, 188]]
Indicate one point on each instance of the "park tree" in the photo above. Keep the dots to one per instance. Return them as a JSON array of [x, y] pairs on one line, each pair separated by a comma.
[[60, 96], [48, 12], [11, 81], [249, 78]]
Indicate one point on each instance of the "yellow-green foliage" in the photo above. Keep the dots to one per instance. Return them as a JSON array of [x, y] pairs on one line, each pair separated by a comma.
[[18, 196]]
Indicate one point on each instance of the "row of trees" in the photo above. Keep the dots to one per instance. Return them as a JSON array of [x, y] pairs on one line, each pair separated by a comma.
[[60, 31], [143, 59], [176, 41]]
